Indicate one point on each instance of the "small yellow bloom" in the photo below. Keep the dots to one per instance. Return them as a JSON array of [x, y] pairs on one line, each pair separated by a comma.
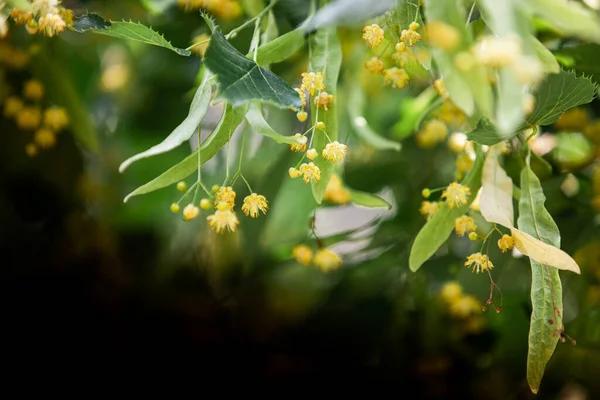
[[301, 146], [465, 307], [181, 186], [440, 88], [21, 17], [320, 126], [479, 263], [312, 154], [334, 152], [67, 15], [303, 254], [414, 26], [373, 34], [31, 150], [456, 195], [302, 95], [442, 35], [205, 204], [428, 209], [302, 116], [33, 90], [464, 225], [225, 195], [254, 205], [51, 24], [313, 82], [396, 78], [403, 58], [433, 132], [506, 243], [200, 49], [222, 221], [32, 27], [464, 163], [4, 26], [175, 208], [44, 138], [12, 106], [426, 193], [497, 52], [29, 118], [294, 173], [310, 172], [335, 192], [215, 188], [324, 100], [457, 142], [473, 236], [374, 66], [451, 292], [410, 37], [190, 212], [56, 118], [327, 260]]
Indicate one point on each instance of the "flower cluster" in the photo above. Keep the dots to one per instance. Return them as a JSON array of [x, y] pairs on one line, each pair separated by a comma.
[[463, 307], [47, 17], [335, 192], [324, 259], [224, 9], [433, 132], [479, 263]]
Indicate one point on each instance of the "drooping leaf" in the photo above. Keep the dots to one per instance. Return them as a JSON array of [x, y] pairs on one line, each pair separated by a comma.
[[355, 105], [568, 17], [558, 93], [231, 118], [543, 253], [496, 193], [279, 49], [403, 15], [124, 30], [241, 80], [437, 230], [185, 130], [325, 56], [368, 200], [347, 12], [260, 125]]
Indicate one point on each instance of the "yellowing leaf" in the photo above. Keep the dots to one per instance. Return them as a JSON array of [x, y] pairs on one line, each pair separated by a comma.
[[543, 252], [496, 194]]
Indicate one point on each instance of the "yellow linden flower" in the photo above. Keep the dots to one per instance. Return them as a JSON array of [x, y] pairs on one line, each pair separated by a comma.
[[302, 115], [299, 147], [310, 172], [320, 126], [200, 49], [31, 150], [404, 57], [506, 243], [324, 100], [33, 90], [181, 186], [428, 209], [32, 27], [414, 26], [294, 173], [451, 292], [190, 212], [442, 35], [464, 163], [205, 204], [51, 24], [327, 260], [303, 254], [373, 34], [374, 66], [457, 142], [302, 95], [175, 208], [451, 114], [335, 192], [44, 6], [67, 15], [254, 204], [440, 88], [433, 132], [456, 195], [479, 263], [497, 52], [473, 236], [55, 118], [396, 78], [465, 307], [312, 154], [44, 138], [225, 196], [4, 26], [222, 221], [225, 9], [464, 225], [313, 82], [334, 152], [426, 193], [29, 118], [12, 106], [21, 17], [410, 37]]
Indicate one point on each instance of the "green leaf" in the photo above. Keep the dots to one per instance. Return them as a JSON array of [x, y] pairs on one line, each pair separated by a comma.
[[409, 11], [437, 230], [545, 56], [572, 150], [347, 12], [124, 30], [231, 118], [558, 93], [355, 103], [242, 80], [20, 4], [583, 58], [568, 17], [279, 49], [156, 7], [546, 289], [185, 130], [368, 200], [325, 56], [260, 125], [486, 133]]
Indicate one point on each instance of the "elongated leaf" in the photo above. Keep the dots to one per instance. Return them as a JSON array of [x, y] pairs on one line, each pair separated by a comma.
[[279, 49], [546, 288], [185, 130], [549, 63], [437, 230], [496, 193], [242, 80], [231, 118], [326, 57], [260, 125], [543, 253], [124, 30], [347, 12], [557, 93], [368, 200], [568, 17]]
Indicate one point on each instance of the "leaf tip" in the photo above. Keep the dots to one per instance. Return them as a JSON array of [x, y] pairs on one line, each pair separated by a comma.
[[534, 389]]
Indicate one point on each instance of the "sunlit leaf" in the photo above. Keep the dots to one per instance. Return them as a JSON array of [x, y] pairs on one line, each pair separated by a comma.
[[260, 125], [368, 200], [326, 57], [568, 17], [242, 80], [545, 56], [231, 118], [158, 6], [185, 130], [347, 12], [496, 194], [543, 253], [124, 30], [279, 49], [437, 230]]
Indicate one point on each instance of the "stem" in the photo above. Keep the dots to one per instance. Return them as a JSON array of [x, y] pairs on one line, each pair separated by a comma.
[[235, 31], [247, 184], [197, 44], [471, 13]]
